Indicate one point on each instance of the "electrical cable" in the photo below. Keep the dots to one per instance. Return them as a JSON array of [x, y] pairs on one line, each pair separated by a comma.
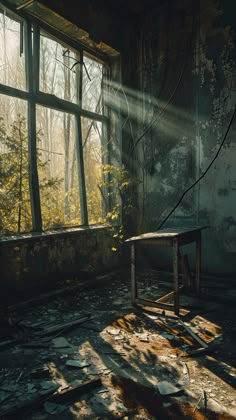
[[203, 174]]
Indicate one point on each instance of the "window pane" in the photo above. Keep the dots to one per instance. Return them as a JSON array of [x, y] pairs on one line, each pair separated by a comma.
[[92, 85], [15, 210], [12, 57], [57, 168], [58, 68], [92, 149]]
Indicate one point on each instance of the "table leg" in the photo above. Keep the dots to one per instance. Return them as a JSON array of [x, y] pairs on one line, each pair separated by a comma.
[[198, 264], [176, 274], [133, 278]]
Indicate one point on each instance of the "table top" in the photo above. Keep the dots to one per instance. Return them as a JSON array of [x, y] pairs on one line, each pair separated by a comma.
[[167, 233]]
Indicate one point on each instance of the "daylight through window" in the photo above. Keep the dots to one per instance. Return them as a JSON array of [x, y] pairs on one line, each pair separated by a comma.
[[53, 131]]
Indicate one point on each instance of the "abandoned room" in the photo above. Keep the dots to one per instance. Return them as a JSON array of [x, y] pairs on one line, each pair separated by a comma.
[[117, 209]]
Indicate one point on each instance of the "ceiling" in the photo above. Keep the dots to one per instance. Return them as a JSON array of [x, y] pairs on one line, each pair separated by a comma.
[[128, 7], [92, 21], [135, 7]]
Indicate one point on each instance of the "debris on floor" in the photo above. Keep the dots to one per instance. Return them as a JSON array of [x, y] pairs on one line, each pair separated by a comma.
[[166, 388], [121, 362]]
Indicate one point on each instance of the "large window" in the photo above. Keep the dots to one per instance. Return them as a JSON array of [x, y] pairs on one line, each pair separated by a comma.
[[53, 131]]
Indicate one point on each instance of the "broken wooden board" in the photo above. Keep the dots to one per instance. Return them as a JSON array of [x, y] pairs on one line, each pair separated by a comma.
[[195, 336], [75, 391], [63, 327], [51, 396]]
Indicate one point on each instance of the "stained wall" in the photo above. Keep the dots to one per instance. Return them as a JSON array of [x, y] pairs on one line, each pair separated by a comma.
[[179, 78]]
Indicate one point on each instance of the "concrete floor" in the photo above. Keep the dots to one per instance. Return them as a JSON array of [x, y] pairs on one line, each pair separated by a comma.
[[131, 350]]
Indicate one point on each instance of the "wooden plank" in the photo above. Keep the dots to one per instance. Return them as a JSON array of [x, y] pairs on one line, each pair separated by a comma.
[[147, 302], [152, 236], [184, 234], [62, 327], [166, 297], [75, 391], [198, 339], [157, 241], [26, 4], [58, 397]]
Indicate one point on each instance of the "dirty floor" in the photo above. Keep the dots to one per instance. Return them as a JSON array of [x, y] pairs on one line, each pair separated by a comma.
[[92, 355]]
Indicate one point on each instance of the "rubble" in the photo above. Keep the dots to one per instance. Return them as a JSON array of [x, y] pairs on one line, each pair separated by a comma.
[[159, 365], [167, 388], [76, 364]]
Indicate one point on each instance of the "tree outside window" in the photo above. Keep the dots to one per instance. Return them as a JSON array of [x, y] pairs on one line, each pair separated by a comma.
[[54, 135]]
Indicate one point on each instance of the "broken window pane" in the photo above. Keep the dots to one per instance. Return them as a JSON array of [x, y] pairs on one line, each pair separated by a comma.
[[58, 69], [57, 168], [12, 57], [92, 150], [15, 209], [92, 99]]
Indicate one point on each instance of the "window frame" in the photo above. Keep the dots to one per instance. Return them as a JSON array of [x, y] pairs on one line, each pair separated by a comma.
[[33, 96]]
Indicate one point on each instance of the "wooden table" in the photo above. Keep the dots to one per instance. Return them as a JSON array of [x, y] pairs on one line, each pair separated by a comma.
[[174, 237]]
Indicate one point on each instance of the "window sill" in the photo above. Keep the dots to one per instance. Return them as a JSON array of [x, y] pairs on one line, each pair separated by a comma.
[[51, 233]]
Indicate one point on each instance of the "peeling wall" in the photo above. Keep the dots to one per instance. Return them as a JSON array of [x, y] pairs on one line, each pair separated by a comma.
[[41, 262], [185, 72]]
